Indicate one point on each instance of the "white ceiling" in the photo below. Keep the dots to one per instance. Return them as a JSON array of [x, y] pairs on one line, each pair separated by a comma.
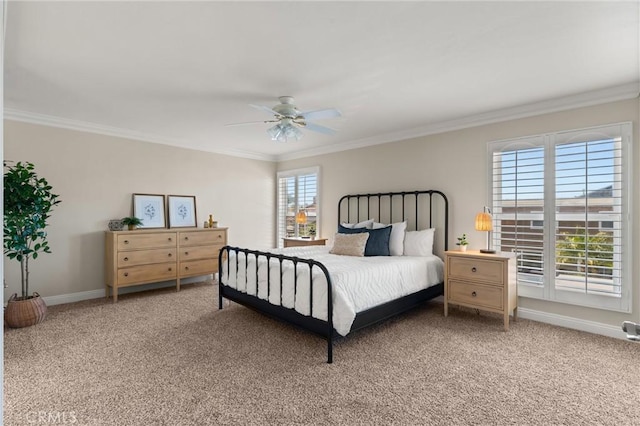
[[177, 72]]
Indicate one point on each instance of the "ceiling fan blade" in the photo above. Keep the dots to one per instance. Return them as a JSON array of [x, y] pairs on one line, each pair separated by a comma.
[[321, 114], [264, 108], [251, 122], [318, 128]]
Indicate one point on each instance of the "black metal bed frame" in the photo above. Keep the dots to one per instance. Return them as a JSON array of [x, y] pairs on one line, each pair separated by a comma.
[[352, 211]]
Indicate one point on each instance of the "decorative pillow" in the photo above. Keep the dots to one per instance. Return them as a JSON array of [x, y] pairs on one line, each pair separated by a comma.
[[396, 240], [419, 243], [349, 244], [364, 224], [378, 242]]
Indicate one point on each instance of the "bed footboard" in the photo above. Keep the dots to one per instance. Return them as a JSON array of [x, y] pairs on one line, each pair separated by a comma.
[[228, 255]]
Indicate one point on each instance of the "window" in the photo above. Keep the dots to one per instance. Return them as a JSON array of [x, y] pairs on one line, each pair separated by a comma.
[[561, 202], [298, 205]]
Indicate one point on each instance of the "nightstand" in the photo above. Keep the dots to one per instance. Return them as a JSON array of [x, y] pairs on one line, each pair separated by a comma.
[[481, 281], [303, 242]]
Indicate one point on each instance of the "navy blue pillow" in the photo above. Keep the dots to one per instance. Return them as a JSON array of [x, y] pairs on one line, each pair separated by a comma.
[[378, 242]]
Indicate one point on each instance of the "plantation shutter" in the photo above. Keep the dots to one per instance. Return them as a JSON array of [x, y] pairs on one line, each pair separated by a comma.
[[561, 202], [297, 191], [588, 215], [518, 204]]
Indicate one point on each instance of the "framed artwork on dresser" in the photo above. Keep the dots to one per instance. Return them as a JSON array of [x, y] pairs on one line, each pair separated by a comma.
[[182, 211], [149, 208]]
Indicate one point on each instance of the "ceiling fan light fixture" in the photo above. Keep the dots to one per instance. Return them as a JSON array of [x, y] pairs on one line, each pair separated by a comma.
[[283, 132]]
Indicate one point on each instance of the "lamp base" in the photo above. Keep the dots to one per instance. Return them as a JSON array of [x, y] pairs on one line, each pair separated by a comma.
[[487, 251]]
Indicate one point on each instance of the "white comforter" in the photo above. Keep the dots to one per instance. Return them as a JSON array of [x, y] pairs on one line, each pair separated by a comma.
[[359, 283]]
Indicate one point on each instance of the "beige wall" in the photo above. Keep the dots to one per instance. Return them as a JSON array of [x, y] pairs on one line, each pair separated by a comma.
[[95, 176], [456, 163]]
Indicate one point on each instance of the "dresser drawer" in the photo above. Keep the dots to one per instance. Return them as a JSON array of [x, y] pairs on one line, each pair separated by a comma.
[[489, 271], [202, 238], [143, 257], [198, 267], [475, 294], [199, 252], [144, 241], [147, 273]]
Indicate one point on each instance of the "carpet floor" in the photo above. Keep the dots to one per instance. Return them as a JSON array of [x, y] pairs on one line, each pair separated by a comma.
[[167, 358]]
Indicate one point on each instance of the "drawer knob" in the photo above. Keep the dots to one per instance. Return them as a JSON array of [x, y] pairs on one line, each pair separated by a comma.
[[474, 294], [186, 268], [186, 253], [126, 274], [186, 238], [169, 238], [473, 269], [125, 259], [169, 254], [126, 241], [169, 269]]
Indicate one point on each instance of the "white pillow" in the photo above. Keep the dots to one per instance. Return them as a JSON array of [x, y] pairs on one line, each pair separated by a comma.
[[364, 224], [419, 243], [396, 239]]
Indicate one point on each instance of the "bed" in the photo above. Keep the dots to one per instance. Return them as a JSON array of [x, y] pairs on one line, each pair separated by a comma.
[[332, 294]]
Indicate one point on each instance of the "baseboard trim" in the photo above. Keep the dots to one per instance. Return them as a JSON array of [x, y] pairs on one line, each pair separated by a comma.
[[96, 294], [573, 323]]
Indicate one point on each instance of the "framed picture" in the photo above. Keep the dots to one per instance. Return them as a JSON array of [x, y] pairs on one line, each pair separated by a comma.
[[182, 211], [149, 208]]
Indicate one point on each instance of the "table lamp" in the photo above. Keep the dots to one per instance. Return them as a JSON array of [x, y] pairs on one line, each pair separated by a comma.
[[484, 222]]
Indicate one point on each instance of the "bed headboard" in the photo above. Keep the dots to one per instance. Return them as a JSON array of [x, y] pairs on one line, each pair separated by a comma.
[[421, 209]]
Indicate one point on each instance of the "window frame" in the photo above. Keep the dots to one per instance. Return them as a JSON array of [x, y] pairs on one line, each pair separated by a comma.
[[549, 142], [280, 231]]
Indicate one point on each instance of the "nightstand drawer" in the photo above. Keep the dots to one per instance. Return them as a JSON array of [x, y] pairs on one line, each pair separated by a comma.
[[475, 294], [489, 271]]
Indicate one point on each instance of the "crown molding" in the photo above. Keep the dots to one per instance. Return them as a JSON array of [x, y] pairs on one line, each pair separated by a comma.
[[84, 126], [595, 97]]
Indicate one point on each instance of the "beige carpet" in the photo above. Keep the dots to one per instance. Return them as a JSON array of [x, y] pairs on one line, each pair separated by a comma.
[[166, 358]]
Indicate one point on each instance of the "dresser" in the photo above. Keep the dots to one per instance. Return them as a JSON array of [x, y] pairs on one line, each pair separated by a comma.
[[148, 256], [481, 281], [303, 242]]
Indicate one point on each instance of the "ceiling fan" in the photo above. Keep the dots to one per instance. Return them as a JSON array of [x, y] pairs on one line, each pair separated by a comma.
[[290, 120]]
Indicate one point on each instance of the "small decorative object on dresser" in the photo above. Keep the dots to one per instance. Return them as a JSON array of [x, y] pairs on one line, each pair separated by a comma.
[[150, 209], [481, 281], [462, 242], [148, 256], [301, 242], [182, 211], [132, 223], [116, 225]]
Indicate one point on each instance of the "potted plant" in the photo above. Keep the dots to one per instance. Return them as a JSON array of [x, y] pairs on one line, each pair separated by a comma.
[[462, 242], [132, 222], [28, 202]]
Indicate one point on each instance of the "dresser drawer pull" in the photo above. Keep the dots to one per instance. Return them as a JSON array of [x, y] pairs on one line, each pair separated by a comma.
[[186, 253], [473, 269], [186, 268], [125, 259], [186, 238], [169, 238], [474, 294], [169, 255], [170, 269], [126, 274], [126, 241]]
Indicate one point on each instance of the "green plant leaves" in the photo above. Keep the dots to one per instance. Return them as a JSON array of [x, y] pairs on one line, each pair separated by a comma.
[[28, 202]]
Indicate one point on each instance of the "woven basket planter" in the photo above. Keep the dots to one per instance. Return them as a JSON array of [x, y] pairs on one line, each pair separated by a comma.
[[25, 312]]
